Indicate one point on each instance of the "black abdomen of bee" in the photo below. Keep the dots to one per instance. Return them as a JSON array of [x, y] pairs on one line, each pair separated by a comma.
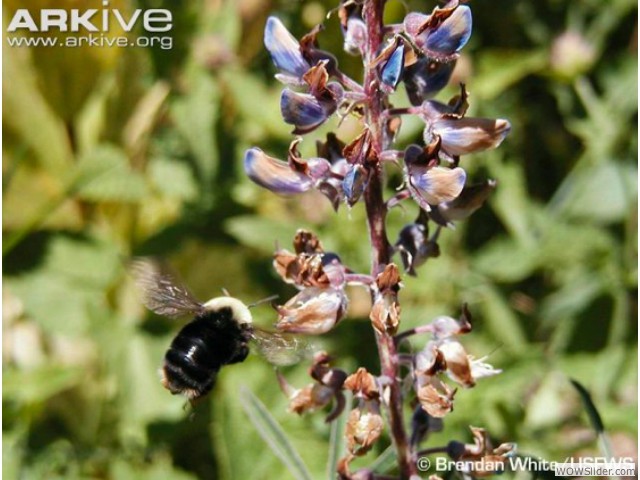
[[200, 349]]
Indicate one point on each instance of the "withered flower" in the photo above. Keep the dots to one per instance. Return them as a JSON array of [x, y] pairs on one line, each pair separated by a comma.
[[481, 455], [364, 427], [460, 135], [296, 175], [321, 302], [327, 386], [445, 354], [385, 313], [353, 27], [313, 311], [365, 424], [436, 397], [362, 384]]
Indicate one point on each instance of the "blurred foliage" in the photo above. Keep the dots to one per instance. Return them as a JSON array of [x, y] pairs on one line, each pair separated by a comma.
[[112, 152]]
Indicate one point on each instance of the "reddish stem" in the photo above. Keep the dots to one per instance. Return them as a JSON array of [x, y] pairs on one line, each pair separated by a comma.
[[380, 248]]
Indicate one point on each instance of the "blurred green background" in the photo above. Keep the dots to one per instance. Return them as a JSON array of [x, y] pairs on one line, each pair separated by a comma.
[[112, 152]]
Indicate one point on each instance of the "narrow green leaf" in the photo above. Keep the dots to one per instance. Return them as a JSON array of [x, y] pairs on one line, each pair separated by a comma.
[[592, 411], [594, 417], [273, 434], [385, 462]]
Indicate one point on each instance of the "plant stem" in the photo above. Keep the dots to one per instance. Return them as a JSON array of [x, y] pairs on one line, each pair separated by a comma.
[[380, 249]]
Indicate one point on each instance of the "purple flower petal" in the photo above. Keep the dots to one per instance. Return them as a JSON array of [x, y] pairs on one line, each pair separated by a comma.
[[302, 110], [354, 183], [274, 174], [434, 185], [414, 246], [392, 71], [355, 36], [425, 78], [413, 23], [285, 52], [470, 199], [451, 35]]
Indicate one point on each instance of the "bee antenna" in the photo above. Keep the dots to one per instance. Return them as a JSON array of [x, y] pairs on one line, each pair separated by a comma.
[[498, 347], [264, 300]]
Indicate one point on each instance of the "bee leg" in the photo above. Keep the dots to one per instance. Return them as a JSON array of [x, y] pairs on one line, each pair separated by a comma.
[[240, 354]]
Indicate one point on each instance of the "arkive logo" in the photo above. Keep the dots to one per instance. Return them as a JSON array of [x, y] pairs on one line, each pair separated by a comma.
[[91, 20]]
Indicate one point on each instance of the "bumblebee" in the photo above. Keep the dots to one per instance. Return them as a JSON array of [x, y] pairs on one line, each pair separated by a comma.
[[219, 333]]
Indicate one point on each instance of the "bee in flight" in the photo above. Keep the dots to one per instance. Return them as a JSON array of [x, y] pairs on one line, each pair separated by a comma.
[[219, 333]]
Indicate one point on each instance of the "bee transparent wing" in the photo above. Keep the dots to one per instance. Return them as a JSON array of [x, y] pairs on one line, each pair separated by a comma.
[[161, 292], [280, 349]]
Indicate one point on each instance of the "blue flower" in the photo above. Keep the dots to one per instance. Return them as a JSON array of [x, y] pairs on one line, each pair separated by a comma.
[[307, 111], [274, 174], [425, 78], [460, 135], [465, 135], [428, 183], [393, 68], [354, 183], [285, 52], [297, 175], [442, 34]]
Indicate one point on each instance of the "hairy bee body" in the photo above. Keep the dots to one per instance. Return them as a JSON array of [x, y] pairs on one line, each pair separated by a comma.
[[218, 334], [211, 340]]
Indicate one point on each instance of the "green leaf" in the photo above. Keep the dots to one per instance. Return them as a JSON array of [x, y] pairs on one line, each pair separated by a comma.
[[40, 384], [258, 106], [13, 451], [151, 469], [173, 178], [227, 24], [500, 318], [511, 201], [570, 299], [548, 406], [604, 192], [195, 115], [60, 294], [104, 175], [260, 233], [273, 434], [385, 461], [500, 69], [505, 261], [27, 113]]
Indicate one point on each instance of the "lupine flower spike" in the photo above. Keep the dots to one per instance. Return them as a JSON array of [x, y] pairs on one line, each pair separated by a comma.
[[418, 55]]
